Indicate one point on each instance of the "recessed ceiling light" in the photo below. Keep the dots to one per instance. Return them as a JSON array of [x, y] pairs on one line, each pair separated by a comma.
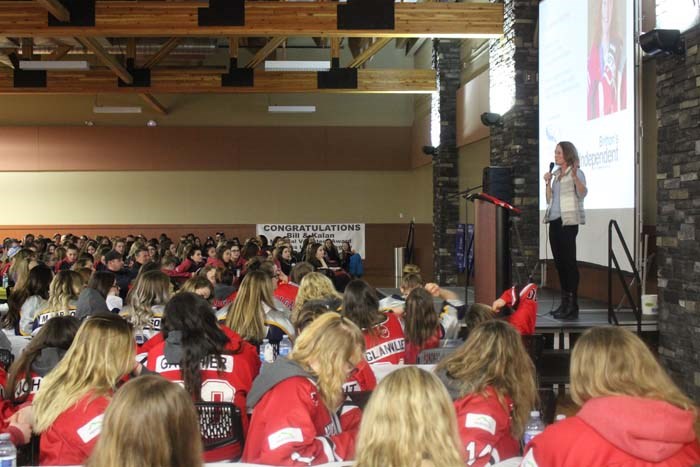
[[291, 109], [115, 109], [297, 65]]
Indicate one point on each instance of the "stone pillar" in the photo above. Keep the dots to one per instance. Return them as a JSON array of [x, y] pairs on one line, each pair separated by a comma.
[[513, 70], [445, 164], [678, 222]]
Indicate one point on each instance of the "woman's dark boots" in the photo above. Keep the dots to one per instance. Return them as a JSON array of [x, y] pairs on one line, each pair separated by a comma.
[[564, 303], [570, 311]]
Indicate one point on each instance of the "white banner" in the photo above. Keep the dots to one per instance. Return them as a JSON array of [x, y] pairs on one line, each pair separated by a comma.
[[339, 233]]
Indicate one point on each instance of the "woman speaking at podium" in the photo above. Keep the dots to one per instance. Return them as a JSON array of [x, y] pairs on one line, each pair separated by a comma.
[[566, 188]]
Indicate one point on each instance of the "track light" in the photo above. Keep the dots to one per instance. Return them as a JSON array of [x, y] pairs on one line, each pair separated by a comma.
[[662, 42], [490, 119]]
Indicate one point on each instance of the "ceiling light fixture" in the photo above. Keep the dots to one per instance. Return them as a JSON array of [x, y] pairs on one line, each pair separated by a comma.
[[291, 109], [104, 109], [67, 65], [297, 65]]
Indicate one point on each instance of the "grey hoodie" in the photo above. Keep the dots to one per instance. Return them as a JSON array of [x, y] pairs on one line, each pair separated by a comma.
[[273, 374], [90, 302], [452, 385], [47, 360]]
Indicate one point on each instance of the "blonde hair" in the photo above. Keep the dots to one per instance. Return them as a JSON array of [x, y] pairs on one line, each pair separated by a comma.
[[150, 422], [19, 267], [246, 315], [494, 356], [151, 288], [101, 354], [612, 361], [330, 342], [314, 286], [409, 422], [410, 269], [65, 287]]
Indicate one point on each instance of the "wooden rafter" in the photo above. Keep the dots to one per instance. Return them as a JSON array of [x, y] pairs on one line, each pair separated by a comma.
[[163, 52], [265, 52], [153, 103], [108, 60], [60, 52], [173, 81], [262, 19], [370, 52], [335, 47], [56, 8]]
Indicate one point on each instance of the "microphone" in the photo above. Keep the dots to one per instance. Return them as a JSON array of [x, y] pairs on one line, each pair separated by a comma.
[[551, 167]]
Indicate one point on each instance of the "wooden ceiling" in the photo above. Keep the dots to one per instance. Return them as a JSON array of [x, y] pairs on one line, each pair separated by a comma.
[[166, 39]]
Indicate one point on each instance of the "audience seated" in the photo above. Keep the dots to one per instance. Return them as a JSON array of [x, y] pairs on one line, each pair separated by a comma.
[[145, 304], [150, 422], [631, 414], [30, 299], [63, 298], [93, 298], [492, 382], [199, 285], [192, 260], [316, 286], [409, 422], [300, 415]]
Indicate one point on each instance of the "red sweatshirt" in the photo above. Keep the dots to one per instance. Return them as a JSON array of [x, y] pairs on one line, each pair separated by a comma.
[[620, 431], [73, 435], [385, 342], [525, 316]]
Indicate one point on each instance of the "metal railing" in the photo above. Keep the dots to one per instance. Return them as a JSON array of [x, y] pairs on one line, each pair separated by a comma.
[[612, 259]]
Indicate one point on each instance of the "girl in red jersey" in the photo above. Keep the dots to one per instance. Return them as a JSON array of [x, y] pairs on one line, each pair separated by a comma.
[[384, 336], [421, 324], [523, 305], [299, 415], [632, 413], [214, 364], [70, 406], [492, 382], [41, 356]]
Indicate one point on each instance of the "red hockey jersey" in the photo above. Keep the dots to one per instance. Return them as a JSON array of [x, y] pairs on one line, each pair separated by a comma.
[[287, 293], [622, 431], [484, 428], [363, 379], [524, 316], [73, 435], [385, 342]]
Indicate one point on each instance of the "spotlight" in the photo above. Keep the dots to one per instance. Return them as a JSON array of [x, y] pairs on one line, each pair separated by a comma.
[[151, 123], [490, 119], [662, 42], [430, 150]]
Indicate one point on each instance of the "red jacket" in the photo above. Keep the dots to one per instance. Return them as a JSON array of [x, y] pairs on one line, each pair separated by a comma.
[[363, 380], [385, 343], [73, 435], [287, 294], [484, 428], [231, 384], [620, 431], [292, 426], [524, 316], [216, 262]]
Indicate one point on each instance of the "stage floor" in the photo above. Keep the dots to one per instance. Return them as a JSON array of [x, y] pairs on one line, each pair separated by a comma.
[[591, 312]]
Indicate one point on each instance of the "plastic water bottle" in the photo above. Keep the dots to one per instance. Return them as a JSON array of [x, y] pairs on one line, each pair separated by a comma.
[[8, 452], [5, 280], [285, 346], [534, 427], [263, 346], [268, 352]]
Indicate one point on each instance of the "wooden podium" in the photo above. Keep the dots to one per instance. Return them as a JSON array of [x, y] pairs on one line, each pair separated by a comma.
[[492, 261]]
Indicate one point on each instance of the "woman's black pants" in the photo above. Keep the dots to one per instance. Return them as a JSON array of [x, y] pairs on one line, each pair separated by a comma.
[[562, 238]]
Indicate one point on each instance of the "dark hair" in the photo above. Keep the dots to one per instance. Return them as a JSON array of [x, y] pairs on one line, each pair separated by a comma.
[[360, 305], [310, 252], [261, 264], [191, 250], [57, 333], [311, 310], [420, 318], [191, 315], [477, 314], [299, 271], [250, 250], [411, 281], [102, 281], [225, 276], [38, 283], [220, 252], [71, 246]]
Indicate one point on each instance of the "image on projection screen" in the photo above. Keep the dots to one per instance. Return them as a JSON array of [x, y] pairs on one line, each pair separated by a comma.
[[587, 89]]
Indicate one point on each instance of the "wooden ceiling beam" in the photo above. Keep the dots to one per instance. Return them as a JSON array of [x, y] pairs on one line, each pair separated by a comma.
[[265, 52], [56, 8], [262, 19], [369, 52], [173, 81], [109, 61], [60, 52], [154, 103], [163, 52]]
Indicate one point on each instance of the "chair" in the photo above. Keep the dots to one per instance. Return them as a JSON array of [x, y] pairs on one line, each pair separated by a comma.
[[432, 356], [6, 358], [221, 426]]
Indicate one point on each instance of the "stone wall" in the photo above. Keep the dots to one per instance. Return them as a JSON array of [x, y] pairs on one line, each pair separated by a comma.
[[678, 215], [514, 70], [445, 164]]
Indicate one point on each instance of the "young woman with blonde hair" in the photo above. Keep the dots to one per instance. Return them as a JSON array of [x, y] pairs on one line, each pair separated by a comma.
[[64, 291], [150, 422], [492, 382], [316, 286], [409, 422], [631, 414], [70, 405], [298, 413], [145, 304], [253, 314]]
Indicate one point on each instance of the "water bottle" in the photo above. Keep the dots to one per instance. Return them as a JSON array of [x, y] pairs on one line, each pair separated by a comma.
[[264, 344], [560, 417], [8, 452], [534, 427], [5, 281], [268, 352], [285, 346]]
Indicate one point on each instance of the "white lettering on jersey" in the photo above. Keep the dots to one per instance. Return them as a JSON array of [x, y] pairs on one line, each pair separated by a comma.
[[385, 349], [351, 386], [208, 363], [23, 387], [481, 421], [285, 436], [529, 460], [91, 429], [472, 457], [217, 390]]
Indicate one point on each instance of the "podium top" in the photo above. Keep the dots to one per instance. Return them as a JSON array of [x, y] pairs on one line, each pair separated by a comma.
[[493, 200]]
